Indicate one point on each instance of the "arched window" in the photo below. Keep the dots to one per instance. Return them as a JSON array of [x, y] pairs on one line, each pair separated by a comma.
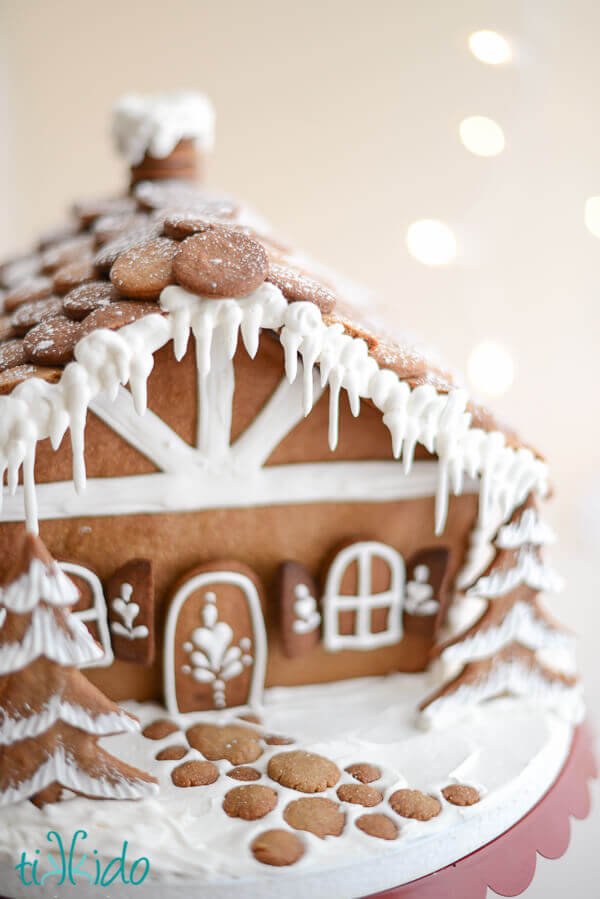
[[91, 609], [363, 598]]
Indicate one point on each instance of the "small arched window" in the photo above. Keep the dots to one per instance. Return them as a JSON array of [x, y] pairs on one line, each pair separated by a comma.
[[91, 608], [363, 599]]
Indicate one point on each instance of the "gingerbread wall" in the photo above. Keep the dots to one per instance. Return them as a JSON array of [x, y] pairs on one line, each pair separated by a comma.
[[261, 538]]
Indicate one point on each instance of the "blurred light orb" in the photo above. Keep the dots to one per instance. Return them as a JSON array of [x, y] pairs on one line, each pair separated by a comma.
[[489, 46], [431, 242], [491, 368], [592, 215], [482, 136]]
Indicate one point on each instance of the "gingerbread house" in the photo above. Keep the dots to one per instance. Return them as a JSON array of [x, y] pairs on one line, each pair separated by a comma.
[[248, 480]]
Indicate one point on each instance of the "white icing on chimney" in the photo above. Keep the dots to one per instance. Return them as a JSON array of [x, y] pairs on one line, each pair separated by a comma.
[[155, 123]]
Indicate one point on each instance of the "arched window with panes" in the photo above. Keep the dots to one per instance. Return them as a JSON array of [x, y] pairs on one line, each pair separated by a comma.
[[364, 596]]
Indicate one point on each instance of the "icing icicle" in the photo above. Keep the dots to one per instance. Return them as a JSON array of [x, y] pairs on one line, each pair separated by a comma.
[[105, 360]]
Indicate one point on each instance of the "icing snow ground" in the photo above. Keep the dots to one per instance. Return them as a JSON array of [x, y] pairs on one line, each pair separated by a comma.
[[509, 750]]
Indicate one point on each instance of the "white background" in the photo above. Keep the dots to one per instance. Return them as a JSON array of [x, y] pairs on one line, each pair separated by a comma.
[[339, 121]]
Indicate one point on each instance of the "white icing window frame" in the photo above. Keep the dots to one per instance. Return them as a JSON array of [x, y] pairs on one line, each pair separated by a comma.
[[98, 613], [364, 602], [197, 582]]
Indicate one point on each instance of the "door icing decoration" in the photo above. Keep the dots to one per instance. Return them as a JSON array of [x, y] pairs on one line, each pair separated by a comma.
[[215, 642]]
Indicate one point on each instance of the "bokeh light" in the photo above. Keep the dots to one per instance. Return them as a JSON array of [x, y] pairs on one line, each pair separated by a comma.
[[431, 242]]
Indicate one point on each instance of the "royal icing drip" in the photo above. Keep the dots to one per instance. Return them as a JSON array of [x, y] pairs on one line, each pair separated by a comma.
[[155, 124], [107, 359], [521, 624], [13, 730], [63, 768], [528, 570], [44, 637], [511, 677], [530, 528]]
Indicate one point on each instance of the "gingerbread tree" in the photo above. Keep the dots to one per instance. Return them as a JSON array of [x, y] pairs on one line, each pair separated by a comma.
[[514, 646], [51, 716]]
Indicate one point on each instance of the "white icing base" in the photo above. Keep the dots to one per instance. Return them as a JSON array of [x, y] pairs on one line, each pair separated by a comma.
[[509, 749]]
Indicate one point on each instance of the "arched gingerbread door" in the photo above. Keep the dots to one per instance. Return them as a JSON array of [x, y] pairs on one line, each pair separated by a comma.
[[215, 642]]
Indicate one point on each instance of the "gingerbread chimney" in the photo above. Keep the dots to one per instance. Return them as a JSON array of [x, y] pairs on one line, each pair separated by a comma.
[[164, 135]]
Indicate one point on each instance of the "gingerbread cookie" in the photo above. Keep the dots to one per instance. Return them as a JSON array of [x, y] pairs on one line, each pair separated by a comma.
[[33, 289], [160, 729], [414, 804], [277, 848], [460, 794], [364, 772], [71, 275], [52, 341], [304, 771], [143, 271], [73, 249], [317, 815], [12, 353], [376, 825], [244, 772], [250, 802], [83, 300], [171, 753], [195, 773], [234, 742], [116, 315], [28, 315], [359, 794], [12, 377], [220, 263], [298, 287]]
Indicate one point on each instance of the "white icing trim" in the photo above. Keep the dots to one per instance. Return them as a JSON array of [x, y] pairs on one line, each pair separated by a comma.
[[530, 528], [529, 570], [44, 638], [39, 583], [13, 730], [97, 614], [107, 359], [507, 677], [259, 636], [147, 433], [521, 624], [155, 124], [64, 769], [380, 481], [284, 409], [363, 602]]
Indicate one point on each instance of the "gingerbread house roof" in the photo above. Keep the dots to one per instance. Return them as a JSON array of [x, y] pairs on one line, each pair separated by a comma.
[[115, 262]]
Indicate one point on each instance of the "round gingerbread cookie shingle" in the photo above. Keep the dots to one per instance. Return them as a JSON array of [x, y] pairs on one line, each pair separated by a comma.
[[298, 287], [31, 314], [109, 227], [72, 250], [12, 353], [117, 315], [144, 271], [318, 815], [11, 377], [87, 297], [52, 342], [277, 848], [73, 274], [6, 328], [89, 210], [250, 802], [34, 289], [220, 263], [108, 254], [304, 771]]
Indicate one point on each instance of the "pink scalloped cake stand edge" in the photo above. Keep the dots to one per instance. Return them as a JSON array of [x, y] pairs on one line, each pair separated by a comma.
[[507, 864]]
